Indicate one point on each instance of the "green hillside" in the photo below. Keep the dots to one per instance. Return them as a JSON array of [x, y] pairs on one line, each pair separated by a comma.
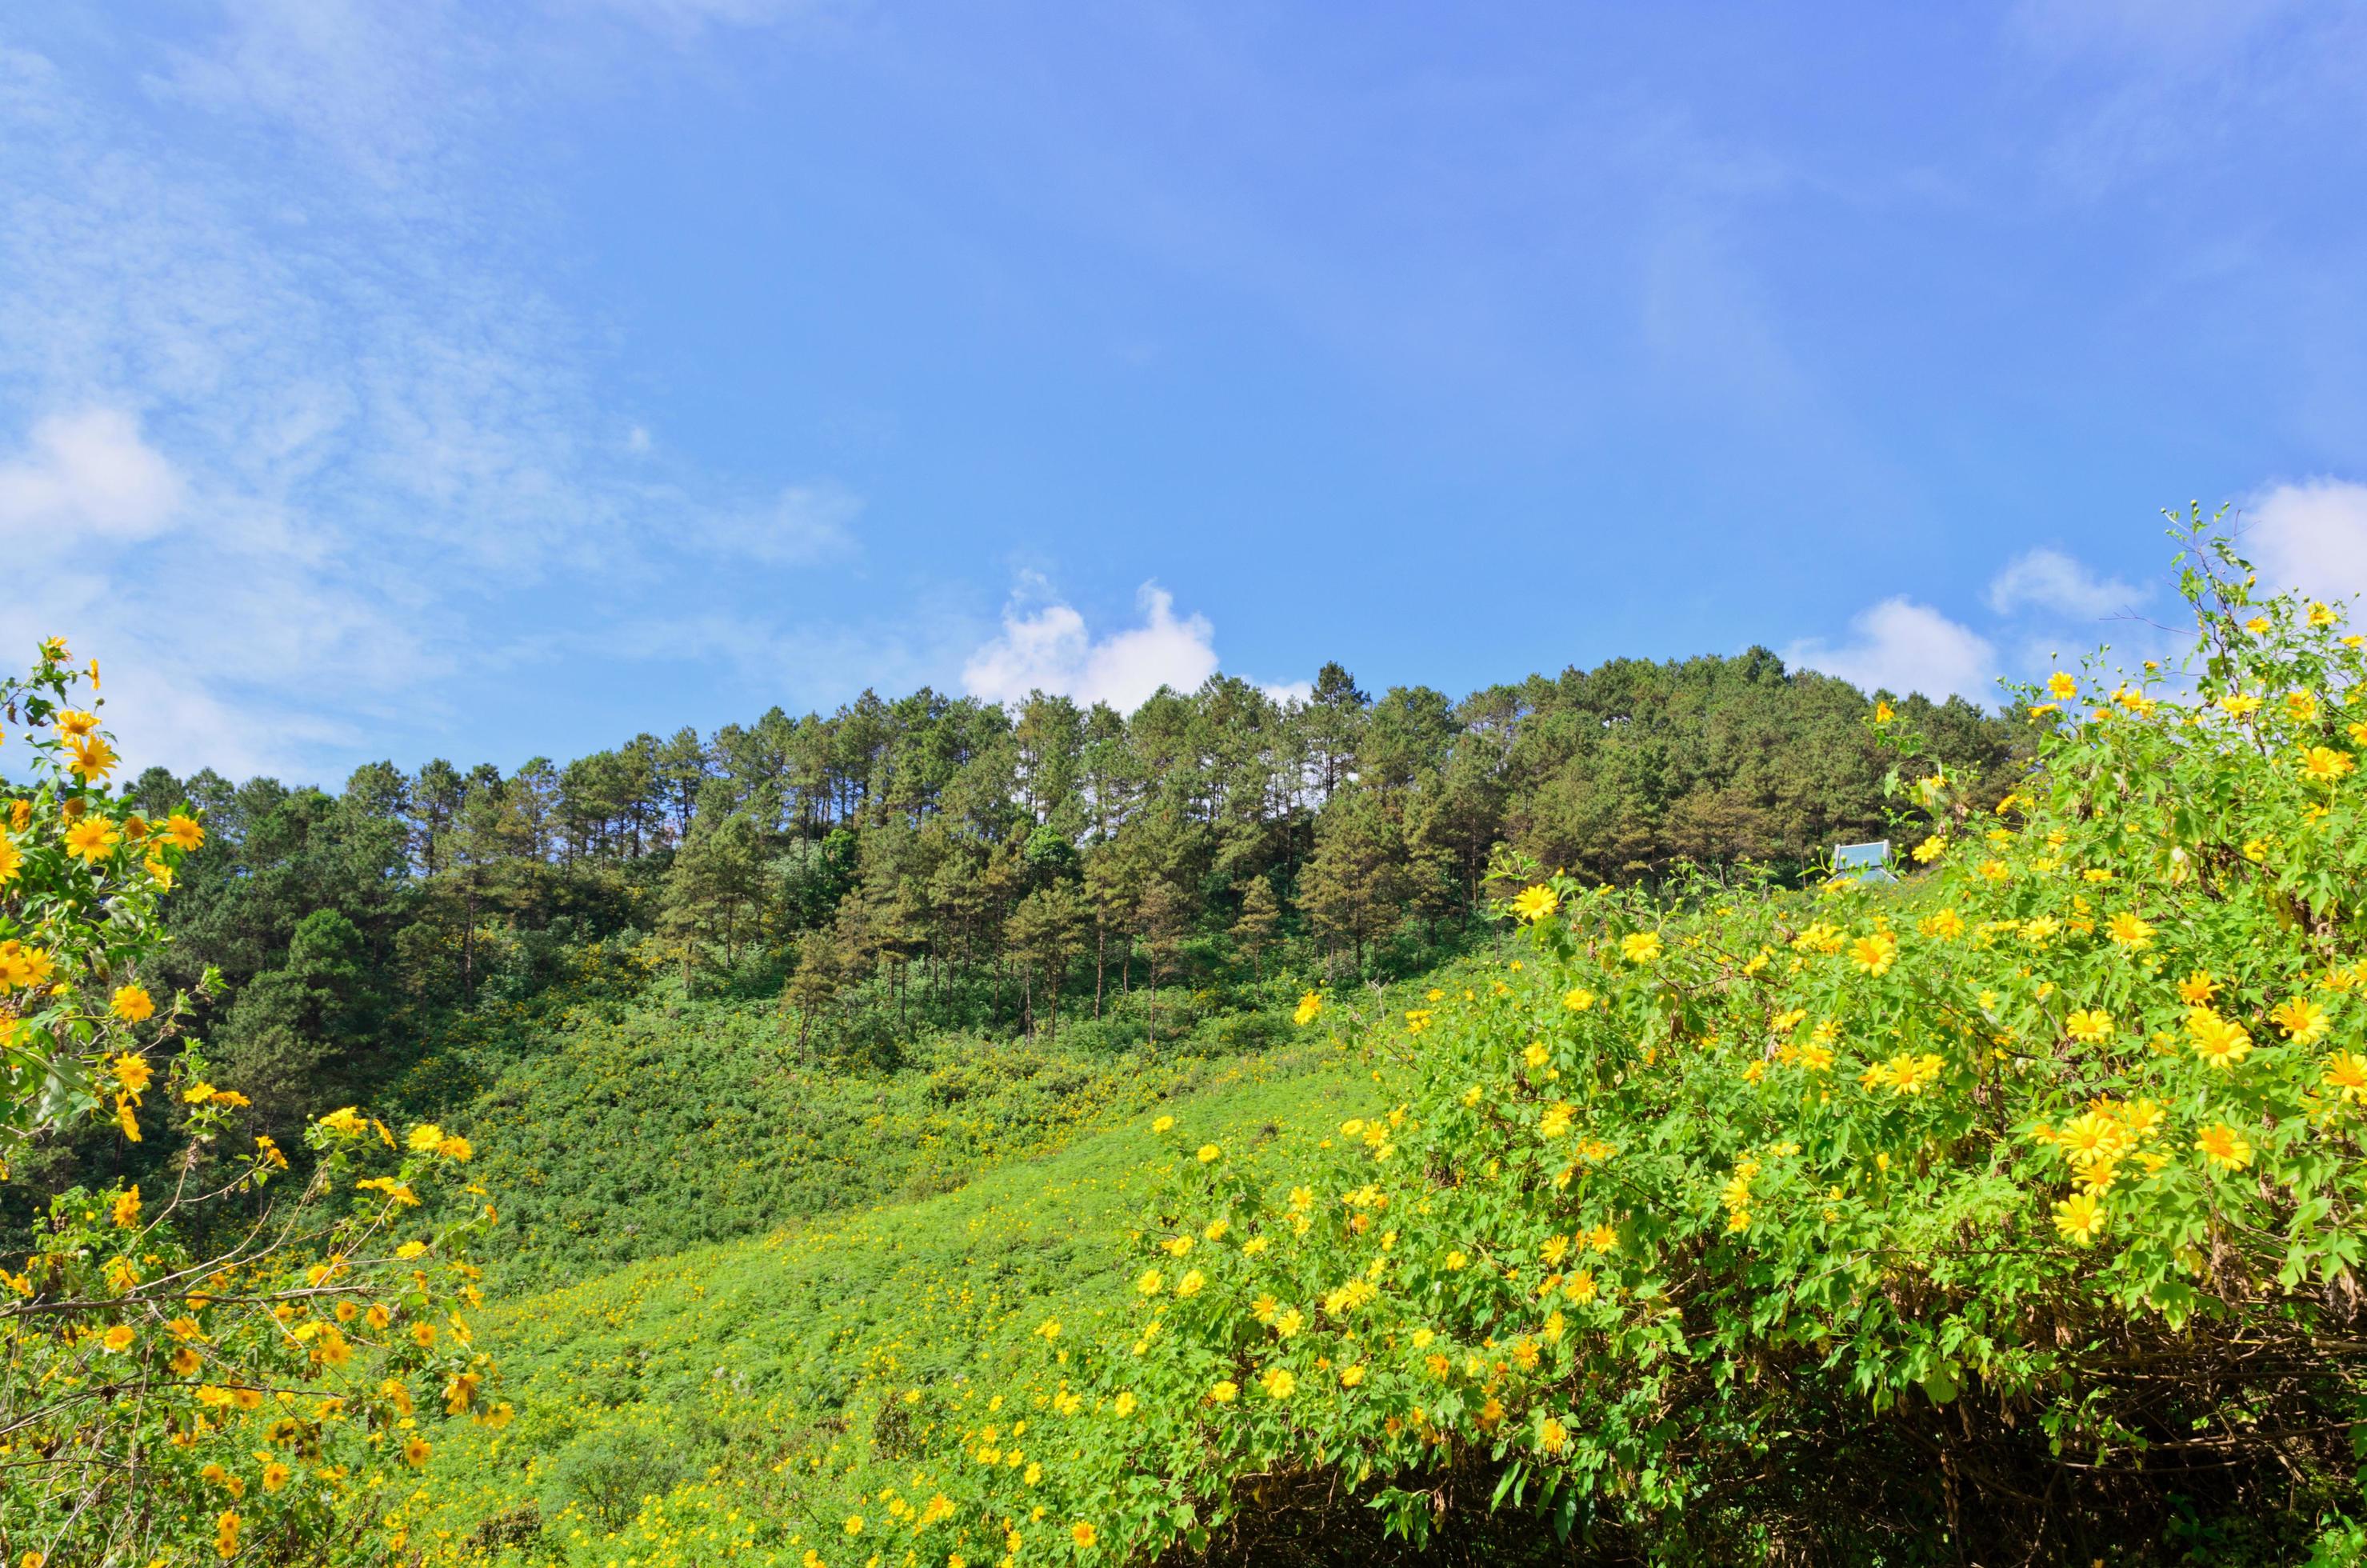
[[730, 1402]]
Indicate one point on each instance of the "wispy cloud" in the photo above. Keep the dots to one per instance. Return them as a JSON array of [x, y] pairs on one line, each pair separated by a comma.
[[2049, 580], [287, 427], [1901, 646]]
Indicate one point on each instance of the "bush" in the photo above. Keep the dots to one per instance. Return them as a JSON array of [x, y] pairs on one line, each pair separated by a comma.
[[2012, 1211]]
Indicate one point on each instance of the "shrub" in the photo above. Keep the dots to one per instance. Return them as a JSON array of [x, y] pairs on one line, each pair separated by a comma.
[[211, 1367], [2012, 1211]]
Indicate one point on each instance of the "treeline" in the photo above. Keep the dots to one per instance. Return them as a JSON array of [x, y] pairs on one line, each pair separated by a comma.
[[1007, 864]]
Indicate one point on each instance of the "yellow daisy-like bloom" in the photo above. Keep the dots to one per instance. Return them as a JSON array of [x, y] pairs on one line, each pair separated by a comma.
[[91, 839], [2346, 1075], [127, 1208], [2300, 707], [93, 759], [1279, 1382], [425, 1137], [2127, 931], [2224, 1147], [2061, 687], [2304, 1021], [1875, 954], [2089, 1138], [1640, 947], [132, 1072], [73, 724], [2220, 1043], [1149, 1282], [415, 1452], [1207, 1154], [1351, 1376], [274, 1476], [1224, 1393], [1084, 1534], [2198, 988], [12, 861], [184, 832], [1578, 999], [1162, 1124], [853, 1525], [131, 1004], [1309, 1006], [2089, 1025], [120, 1338], [2080, 1218], [2323, 765], [1536, 902]]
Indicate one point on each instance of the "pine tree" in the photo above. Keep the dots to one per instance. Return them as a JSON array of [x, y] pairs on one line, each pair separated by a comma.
[[1259, 923]]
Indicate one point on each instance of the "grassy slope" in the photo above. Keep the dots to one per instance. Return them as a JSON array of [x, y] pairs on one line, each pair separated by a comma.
[[720, 1403]]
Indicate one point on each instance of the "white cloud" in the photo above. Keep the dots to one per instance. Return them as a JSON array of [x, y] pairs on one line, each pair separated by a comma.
[[2310, 536], [2048, 579], [1901, 646], [81, 475], [1285, 693], [1050, 649]]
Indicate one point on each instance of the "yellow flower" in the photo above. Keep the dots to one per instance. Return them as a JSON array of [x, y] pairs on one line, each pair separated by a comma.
[[1640, 947], [2304, 1021], [2346, 1073], [1577, 999], [2323, 765], [1164, 1124], [131, 1004], [1082, 1534], [184, 831], [1536, 902], [132, 1072], [1207, 1154], [91, 839], [1279, 1382], [73, 724], [2127, 931], [2080, 1218], [1149, 1282], [2198, 988], [347, 1122], [2061, 687], [2220, 1043], [1351, 1376], [1883, 712], [127, 1207], [1190, 1284], [1309, 1006], [425, 1137], [11, 861], [2224, 1147], [2300, 707], [2089, 1025], [853, 1525], [120, 1338], [93, 759], [1875, 954], [455, 1149], [1224, 1393]]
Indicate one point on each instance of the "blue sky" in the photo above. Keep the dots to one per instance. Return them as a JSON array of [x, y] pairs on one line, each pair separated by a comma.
[[426, 379]]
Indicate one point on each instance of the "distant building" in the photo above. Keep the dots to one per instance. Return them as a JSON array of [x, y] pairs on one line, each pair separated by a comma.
[[1863, 862]]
